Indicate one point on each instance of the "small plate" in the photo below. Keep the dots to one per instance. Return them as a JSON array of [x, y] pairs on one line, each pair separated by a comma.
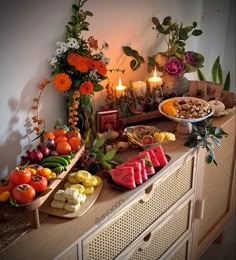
[[128, 131], [119, 187]]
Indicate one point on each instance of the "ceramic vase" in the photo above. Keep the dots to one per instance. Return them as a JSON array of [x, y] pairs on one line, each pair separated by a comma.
[[174, 86]]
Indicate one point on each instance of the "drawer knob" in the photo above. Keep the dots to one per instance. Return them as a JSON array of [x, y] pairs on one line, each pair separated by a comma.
[[148, 193], [199, 209]]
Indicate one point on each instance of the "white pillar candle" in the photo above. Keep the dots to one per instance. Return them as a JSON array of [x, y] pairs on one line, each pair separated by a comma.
[[139, 88], [120, 89], [155, 81]]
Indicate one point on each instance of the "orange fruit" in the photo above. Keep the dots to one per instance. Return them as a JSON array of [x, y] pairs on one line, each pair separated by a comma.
[[63, 147], [59, 132], [45, 172], [48, 135], [60, 139], [73, 133], [74, 142]]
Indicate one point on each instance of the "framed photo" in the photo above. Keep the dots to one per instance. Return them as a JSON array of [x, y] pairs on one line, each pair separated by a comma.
[[107, 119]]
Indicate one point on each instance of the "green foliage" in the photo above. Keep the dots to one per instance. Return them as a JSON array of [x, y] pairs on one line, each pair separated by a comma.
[[102, 159], [217, 74], [201, 135], [78, 22], [200, 75], [137, 60], [175, 35]]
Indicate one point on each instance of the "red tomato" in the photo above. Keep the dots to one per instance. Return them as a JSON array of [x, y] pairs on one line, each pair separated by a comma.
[[23, 193], [6, 185], [20, 175], [39, 183]]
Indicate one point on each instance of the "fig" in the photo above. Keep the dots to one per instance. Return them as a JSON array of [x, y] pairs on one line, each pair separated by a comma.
[[147, 139]]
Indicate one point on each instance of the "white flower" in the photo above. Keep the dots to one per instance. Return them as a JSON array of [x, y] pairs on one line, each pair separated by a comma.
[[61, 44], [53, 61], [105, 60], [72, 43], [59, 52], [93, 75]]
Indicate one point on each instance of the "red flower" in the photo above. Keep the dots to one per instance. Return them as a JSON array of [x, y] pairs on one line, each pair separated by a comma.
[[93, 43]]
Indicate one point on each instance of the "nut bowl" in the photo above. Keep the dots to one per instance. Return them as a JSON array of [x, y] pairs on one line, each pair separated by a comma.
[[185, 110]]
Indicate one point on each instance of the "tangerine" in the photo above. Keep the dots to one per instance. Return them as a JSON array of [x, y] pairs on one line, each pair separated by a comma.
[[45, 172], [60, 139], [48, 135], [63, 147], [59, 132], [74, 142]]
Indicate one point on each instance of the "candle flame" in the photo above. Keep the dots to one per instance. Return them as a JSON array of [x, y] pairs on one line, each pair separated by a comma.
[[155, 73], [119, 82]]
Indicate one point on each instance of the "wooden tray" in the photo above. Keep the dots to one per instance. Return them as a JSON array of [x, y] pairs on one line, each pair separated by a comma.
[[139, 118], [37, 202], [90, 199]]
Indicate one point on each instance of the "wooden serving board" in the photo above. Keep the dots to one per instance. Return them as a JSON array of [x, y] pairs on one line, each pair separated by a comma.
[[90, 200]]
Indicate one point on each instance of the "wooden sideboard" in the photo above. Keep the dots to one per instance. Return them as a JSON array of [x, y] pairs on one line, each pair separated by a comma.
[[176, 214]]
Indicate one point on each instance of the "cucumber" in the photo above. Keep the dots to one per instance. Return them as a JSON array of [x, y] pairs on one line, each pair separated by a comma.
[[55, 159]]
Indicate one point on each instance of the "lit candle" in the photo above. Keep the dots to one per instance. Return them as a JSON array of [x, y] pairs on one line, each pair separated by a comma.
[[155, 81], [139, 87], [120, 90]]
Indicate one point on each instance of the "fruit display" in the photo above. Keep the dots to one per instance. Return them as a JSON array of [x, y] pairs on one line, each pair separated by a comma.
[[143, 135], [55, 150], [138, 168], [56, 142], [24, 183]]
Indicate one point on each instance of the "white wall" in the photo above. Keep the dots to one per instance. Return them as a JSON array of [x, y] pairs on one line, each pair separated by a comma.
[[30, 29]]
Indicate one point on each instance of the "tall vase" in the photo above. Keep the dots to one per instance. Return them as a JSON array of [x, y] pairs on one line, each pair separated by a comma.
[[87, 122], [174, 86]]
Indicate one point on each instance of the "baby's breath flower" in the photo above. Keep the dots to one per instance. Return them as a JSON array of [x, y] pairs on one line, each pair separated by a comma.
[[105, 60]]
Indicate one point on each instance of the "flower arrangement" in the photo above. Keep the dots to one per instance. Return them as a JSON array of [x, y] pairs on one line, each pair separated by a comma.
[[78, 67], [175, 60]]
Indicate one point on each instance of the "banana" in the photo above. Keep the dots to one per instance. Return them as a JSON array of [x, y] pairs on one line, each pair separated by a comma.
[[56, 159], [58, 169]]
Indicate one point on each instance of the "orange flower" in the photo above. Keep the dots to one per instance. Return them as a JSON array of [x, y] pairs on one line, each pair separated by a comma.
[[82, 64], [86, 88], [72, 58], [62, 82], [100, 67]]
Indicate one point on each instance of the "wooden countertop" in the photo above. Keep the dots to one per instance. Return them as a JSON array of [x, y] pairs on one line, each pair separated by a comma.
[[56, 234]]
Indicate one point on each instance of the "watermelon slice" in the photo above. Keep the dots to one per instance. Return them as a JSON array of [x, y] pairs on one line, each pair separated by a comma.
[[158, 150], [148, 163], [143, 169], [137, 170], [153, 157], [123, 177]]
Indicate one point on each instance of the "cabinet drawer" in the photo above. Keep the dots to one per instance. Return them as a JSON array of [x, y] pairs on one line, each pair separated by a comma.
[[182, 252], [112, 238], [163, 239]]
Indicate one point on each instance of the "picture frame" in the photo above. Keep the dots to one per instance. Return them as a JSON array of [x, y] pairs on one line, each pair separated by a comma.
[[107, 119]]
